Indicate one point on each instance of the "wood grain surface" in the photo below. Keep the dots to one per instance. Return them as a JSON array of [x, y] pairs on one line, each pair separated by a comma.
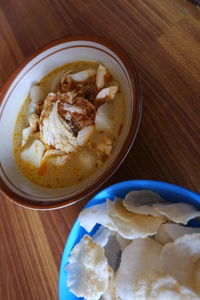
[[163, 39]]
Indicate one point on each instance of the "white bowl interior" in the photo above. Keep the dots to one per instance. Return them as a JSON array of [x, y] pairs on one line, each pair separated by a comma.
[[35, 70]]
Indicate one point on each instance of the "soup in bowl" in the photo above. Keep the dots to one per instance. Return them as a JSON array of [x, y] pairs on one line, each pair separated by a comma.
[[68, 118]]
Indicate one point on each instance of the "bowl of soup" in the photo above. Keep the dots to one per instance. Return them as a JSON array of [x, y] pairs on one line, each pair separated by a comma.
[[68, 118]]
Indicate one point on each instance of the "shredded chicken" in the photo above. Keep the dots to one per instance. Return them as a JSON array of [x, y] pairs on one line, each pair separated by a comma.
[[67, 97], [79, 115], [56, 157], [69, 116], [87, 91], [55, 131]]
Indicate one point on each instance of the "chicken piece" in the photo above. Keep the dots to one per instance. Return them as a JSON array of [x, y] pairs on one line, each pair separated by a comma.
[[26, 135], [69, 81], [79, 115], [68, 97], [66, 84], [57, 158], [34, 122], [51, 97], [107, 94], [83, 76], [87, 91], [69, 109], [36, 96], [102, 77], [104, 118], [55, 131], [85, 134], [102, 146], [47, 105], [33, 153], [105, 147]]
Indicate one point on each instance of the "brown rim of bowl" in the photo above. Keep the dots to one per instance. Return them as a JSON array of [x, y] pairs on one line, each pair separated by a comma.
[[129, 139]]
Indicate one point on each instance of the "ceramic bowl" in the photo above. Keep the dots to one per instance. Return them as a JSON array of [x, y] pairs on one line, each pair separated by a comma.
[[13, 183]]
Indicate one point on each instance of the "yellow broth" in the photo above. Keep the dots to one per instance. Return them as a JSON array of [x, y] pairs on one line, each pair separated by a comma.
[[78, 167]]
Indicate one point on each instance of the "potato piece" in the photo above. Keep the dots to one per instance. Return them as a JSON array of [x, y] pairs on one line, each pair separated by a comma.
[[83, 75], [36, 95], [108, 93], [33, 153], [34, 122], [102, 77], [104, 118], [26, 135], [85, 134], [56, 80], [87, 161]]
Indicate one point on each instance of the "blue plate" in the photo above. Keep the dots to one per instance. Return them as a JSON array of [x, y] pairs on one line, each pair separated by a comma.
[[168, 191]]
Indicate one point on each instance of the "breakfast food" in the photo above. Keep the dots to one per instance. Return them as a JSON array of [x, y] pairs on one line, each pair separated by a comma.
[[148, 254], [69, 125]]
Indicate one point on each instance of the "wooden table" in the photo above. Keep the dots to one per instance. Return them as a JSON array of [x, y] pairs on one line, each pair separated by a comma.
[[163, 39]]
